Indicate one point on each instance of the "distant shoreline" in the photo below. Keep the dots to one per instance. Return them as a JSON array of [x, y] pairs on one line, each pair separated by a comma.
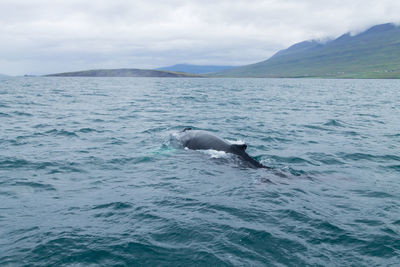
[[123, 73], [202, 77]]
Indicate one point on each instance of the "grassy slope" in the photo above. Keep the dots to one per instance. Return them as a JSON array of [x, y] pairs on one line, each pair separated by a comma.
[[122, 73], [371, 54], [195, 69]]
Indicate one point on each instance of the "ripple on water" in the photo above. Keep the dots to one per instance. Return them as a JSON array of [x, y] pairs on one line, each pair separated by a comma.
[[325, 158], [291, 160], [41, 125], [370, 157], [35, 185], [19, 113], [114, 206], [394, 167], [2, 114], [131, 160], [52, 166], [335, 123], [56, 132], [90, 130], [12, 163], [316, 127], [373, 194]]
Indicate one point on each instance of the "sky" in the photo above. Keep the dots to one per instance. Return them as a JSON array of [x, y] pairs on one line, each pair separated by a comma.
[[50, 36]]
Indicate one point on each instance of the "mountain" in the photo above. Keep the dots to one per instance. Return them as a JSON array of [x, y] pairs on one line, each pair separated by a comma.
[[196, 69], [374, 53], [122, 73], [3, 75]]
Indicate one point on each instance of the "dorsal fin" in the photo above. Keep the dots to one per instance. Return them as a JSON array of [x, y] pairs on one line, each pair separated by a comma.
[[187, 129], [240, 147]]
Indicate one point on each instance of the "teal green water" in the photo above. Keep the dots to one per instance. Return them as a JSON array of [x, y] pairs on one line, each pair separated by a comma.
[[90, 172]]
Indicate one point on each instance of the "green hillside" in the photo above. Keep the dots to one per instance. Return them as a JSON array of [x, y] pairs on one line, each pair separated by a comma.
[[195, 69], [374, 53], [123, 73]]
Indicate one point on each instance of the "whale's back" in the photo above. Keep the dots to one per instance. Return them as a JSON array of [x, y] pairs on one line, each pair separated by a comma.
[[197, 140], [203, 140]]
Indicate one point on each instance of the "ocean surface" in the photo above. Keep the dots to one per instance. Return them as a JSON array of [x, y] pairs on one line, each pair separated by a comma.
[[91, 172]]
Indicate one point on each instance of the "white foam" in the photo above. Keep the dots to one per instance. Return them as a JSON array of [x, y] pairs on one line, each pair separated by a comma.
[[236, 142], [215, 153], [175, 135]]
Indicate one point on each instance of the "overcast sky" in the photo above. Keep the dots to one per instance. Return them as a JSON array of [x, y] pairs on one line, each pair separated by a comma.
[[48, 36]]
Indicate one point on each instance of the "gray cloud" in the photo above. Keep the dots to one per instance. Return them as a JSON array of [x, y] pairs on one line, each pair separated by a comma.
[[41, 36]]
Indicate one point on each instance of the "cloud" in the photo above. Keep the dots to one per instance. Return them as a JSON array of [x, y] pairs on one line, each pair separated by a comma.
[[41, 36]]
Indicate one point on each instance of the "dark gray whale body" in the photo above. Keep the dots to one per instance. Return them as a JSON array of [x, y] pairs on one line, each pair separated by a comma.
[[198, 140]]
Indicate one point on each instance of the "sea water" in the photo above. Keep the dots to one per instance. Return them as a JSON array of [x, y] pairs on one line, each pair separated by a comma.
[[90, 172]]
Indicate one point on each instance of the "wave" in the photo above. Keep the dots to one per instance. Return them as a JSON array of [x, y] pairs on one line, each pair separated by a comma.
[[12, 163], [41, 125], [20, 113], [132, 160], [52, 167], [114, 206], [394, 167], [316, 127], [392, 135], [372, 194], [89, 130], [335, 123], [370, 157], [56, 132], [325, 158], [291, 160], [2, 114], [35, 185], [276, 139]]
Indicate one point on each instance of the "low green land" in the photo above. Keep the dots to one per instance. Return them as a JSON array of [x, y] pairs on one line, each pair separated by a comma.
[[195, 69], [374, 53], [122, 73]]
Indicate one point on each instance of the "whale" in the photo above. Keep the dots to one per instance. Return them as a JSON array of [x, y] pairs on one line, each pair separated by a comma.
[[204, 140]]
